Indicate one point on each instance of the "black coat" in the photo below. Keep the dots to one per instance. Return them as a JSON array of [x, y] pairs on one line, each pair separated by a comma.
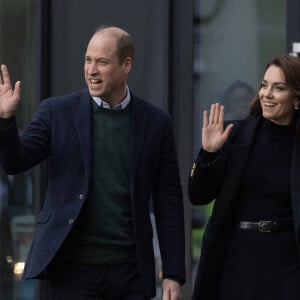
[[220, 181]]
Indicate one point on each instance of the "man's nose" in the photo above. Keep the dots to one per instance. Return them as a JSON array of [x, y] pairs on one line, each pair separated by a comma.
[[91, 68]]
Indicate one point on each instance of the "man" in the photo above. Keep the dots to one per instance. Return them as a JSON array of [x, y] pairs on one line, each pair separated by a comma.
[[109, 152]]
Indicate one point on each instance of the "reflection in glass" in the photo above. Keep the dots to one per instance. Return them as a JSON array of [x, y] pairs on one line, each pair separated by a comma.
[[6, 256], [17, 46], [232, 43]]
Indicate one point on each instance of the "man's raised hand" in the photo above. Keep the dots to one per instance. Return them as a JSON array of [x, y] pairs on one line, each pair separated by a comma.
[[9, 97]]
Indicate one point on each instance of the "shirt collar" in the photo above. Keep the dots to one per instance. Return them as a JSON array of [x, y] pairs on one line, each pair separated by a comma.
[[122, 105]]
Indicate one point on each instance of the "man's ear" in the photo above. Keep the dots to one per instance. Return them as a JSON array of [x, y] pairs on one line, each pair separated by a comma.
[[127, 64]]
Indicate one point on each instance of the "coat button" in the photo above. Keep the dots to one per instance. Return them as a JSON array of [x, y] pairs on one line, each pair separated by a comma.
[[71, 221], [80, 196], [193, 170]]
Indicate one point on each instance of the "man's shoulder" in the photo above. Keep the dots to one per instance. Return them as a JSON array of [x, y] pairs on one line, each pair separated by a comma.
[[69, 98], [151, 108]]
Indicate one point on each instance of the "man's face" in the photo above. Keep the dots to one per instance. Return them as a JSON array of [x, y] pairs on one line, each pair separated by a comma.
[[105, 76]]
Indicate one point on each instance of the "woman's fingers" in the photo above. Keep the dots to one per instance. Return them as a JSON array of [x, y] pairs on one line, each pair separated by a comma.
[[212, 114], [227, 130], [216, 115], [205, 119], [221, 115]]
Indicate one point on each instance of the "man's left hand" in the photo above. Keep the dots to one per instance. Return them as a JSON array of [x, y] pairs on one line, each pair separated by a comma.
[[171, 289]]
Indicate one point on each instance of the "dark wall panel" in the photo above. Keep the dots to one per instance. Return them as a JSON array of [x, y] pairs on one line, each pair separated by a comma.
[[73, 23], [293, 23]]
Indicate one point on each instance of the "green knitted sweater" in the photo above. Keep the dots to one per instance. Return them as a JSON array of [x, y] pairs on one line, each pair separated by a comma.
[[104, 231]]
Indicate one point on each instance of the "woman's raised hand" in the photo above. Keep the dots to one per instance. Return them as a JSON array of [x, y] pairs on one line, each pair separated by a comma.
[[9, 97], [213, 134]]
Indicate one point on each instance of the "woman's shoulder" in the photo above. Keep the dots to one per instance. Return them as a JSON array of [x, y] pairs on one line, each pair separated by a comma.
[[244, 127], [244, 121], [243, 124]]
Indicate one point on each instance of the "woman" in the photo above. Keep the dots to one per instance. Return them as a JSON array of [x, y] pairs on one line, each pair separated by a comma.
[[250, 167]]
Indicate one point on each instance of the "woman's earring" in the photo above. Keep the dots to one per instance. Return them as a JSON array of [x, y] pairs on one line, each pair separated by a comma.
[[296, 107]]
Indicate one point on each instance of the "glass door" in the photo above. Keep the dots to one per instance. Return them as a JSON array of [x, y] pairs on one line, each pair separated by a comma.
[[233, 42], [17, 51]]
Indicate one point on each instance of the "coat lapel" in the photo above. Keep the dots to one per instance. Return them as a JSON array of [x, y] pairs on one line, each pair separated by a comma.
[[238, 151], [83, 119], [139, 119]]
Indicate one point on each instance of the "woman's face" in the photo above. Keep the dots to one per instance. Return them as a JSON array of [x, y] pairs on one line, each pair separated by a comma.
[[276, 99]]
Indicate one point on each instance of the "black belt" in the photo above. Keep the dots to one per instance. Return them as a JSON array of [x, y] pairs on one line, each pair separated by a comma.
[[266, 226]]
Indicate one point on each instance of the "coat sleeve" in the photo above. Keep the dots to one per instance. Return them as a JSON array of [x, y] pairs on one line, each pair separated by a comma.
[[168, 208], [21, 151], [206, 177], [207, 173]]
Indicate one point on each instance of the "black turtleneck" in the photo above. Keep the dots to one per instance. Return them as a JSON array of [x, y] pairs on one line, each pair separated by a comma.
[[265, 189]]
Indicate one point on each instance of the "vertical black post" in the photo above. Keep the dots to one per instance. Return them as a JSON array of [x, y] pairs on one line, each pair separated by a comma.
[[44, 47], [181, 50], [43, 13]]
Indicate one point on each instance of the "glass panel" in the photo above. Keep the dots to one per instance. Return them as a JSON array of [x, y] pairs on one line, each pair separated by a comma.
[[233, 42], [17, 44]]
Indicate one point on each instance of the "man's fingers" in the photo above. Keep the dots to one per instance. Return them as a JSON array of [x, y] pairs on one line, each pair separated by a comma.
[[165, 295], [17, 90], [171, 290], [5, 75], [1, 80], [6, 83]]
